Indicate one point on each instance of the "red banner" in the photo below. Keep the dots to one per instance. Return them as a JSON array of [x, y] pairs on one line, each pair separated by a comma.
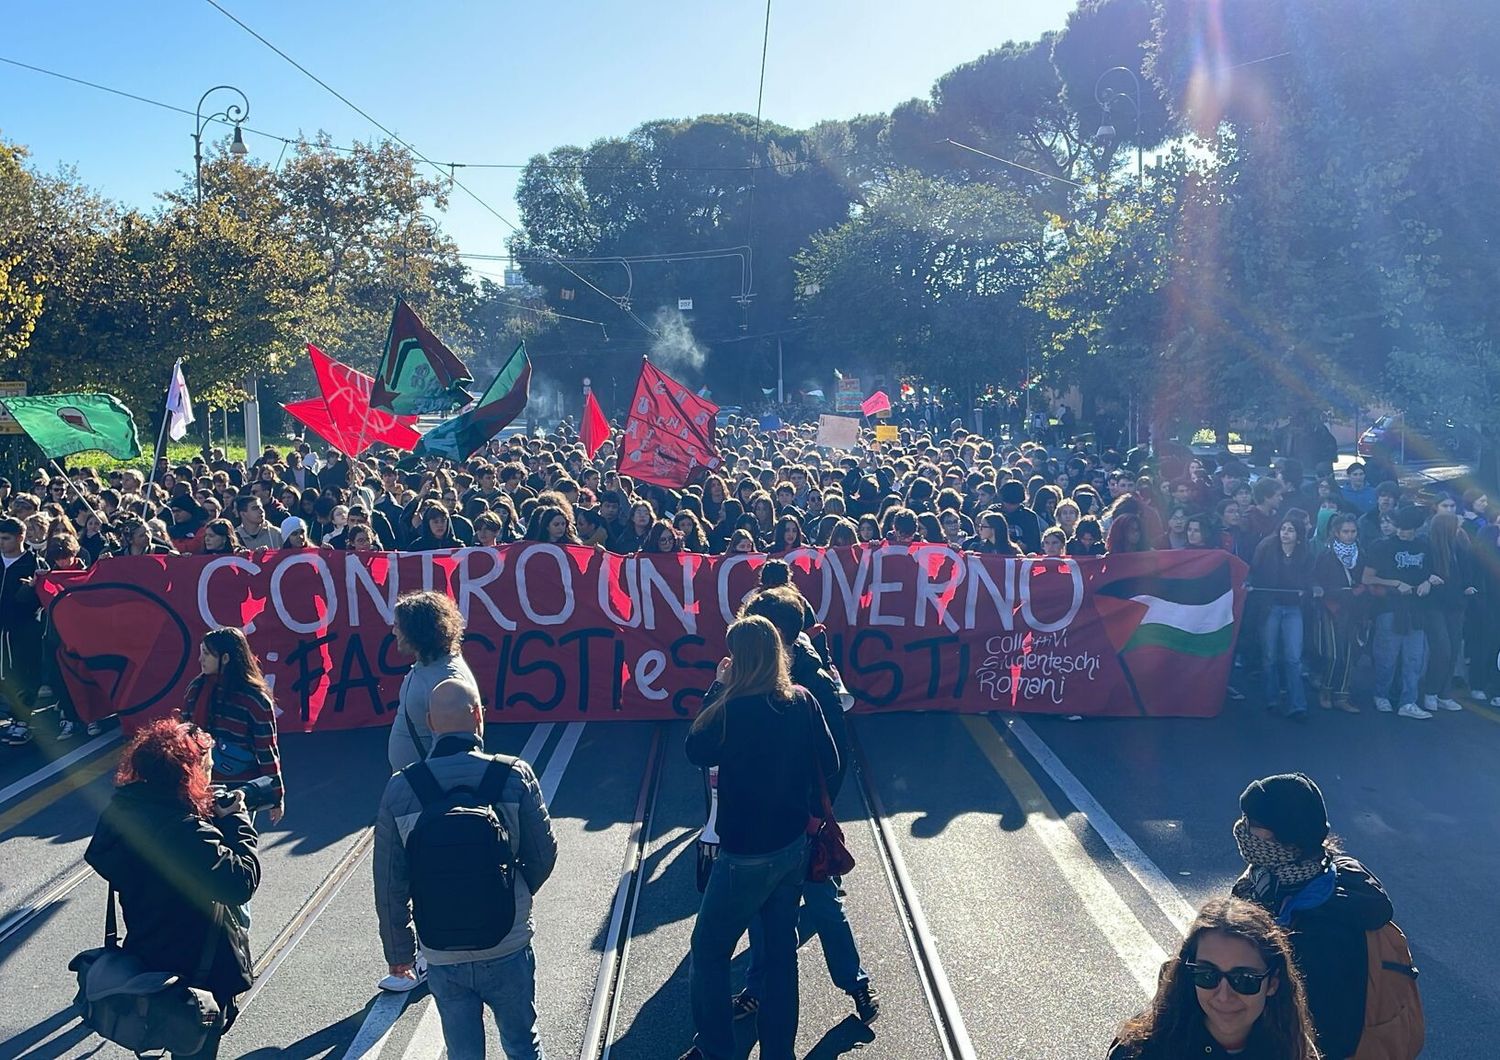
[[569, 632]]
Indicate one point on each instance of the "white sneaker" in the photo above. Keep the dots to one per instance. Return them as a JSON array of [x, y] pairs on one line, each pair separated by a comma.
[[1429, 703], [400, 984], [1449, 704], [1383, 705], [1411, 710], [64, 730], [1478, 696], [1495, 701]]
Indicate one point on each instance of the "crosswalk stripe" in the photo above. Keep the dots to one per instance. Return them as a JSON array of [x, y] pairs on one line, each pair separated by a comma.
[[1127, 936]]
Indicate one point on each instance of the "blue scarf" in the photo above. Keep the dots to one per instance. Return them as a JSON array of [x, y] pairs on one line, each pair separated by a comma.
[[1309, 897]]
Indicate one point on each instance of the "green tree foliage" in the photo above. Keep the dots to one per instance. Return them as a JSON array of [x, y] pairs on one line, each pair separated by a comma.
[[931, 277], [1364, 138], [721, 212]]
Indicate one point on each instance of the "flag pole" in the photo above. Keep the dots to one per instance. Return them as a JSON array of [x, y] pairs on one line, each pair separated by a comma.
[[161, 435], [77, 492]]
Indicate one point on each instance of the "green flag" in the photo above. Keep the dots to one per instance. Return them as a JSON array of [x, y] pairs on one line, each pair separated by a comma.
[[64, 424], [461, 437]]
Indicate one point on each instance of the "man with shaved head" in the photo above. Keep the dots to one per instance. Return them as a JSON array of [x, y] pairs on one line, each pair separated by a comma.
[[462, 843]]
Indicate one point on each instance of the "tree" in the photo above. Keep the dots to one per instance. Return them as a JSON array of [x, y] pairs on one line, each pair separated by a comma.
[[701, 209], [1363, 138], [931, 278]]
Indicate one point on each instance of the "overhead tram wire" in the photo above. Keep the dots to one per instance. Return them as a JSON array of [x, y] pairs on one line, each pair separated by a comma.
[[760, 95], [418, 154], [287, 141]]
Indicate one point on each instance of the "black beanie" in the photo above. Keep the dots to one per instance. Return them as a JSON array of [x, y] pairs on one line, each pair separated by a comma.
[[1291, 806]]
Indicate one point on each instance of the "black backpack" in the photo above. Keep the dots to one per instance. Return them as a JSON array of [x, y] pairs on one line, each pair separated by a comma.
[[462, 868]]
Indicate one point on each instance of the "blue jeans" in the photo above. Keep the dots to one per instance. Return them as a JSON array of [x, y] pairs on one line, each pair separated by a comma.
[[507, 985], [822, 915], [1281, 642], [1411, 646], [739, 887]]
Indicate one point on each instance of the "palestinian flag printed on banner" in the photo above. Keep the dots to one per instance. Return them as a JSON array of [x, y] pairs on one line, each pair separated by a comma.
[[1172, 618]]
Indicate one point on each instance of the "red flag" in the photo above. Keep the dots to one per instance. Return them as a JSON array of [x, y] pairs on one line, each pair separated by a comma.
[[346, 420], [594, 431], [669, 434], [876, 403]]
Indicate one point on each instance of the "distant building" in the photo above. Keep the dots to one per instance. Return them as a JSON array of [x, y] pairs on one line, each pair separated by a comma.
[[514, 278]]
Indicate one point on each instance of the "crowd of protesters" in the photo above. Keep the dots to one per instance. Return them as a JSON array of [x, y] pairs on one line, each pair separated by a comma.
[[1334, 564], [1337, 563]]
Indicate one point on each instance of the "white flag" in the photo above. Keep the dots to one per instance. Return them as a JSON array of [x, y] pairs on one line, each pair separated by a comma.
[[179, 405]]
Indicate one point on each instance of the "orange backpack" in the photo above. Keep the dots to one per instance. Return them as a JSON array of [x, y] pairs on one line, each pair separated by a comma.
[[1394, 1026]]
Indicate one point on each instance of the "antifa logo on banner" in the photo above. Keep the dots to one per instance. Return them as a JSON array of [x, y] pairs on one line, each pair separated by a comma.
[[147, 652], [569, 631]]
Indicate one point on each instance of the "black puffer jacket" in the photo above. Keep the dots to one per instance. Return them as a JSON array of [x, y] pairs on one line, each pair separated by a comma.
[[1328, 942], [170, 866]]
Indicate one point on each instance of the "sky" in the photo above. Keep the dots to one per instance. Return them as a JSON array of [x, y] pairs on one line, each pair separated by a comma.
[[463, 81]]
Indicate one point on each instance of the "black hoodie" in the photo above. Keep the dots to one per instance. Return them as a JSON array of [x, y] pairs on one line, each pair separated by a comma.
[[1329, 944]]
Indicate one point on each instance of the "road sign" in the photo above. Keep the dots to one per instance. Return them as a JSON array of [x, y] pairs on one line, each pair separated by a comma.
[[10, 388]]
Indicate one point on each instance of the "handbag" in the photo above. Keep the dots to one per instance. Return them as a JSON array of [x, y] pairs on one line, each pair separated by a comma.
[[828, 856], [137, 1008]]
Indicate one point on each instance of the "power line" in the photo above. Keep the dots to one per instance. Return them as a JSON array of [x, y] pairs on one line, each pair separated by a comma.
[[417, 154], [760, 95], [286, 141], [1008, 162]]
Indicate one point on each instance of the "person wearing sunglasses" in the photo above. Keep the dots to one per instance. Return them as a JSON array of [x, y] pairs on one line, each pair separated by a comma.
[[1231, 990]]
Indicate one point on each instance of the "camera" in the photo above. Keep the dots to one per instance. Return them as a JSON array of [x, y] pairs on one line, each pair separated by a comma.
[[258, 794]]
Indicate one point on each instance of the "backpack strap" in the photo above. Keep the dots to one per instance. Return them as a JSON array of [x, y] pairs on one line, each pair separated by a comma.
[[111, 926], [423, 784], [492, 786]]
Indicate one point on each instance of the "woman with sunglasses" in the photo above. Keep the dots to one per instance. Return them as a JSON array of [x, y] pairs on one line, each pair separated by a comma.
[[1232, 989]]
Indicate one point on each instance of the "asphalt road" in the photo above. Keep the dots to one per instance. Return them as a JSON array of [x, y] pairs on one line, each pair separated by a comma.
[[1039, 872]]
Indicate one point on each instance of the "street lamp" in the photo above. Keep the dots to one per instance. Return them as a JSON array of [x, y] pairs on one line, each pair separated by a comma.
[[233, 113], [1108, 96], [420, 225]]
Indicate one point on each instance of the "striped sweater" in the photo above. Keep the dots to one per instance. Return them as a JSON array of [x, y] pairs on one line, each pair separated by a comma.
[[243, 724]]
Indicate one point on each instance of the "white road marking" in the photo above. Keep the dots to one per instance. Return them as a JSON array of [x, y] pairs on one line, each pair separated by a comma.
[[47, 772], [427, 1042], [377, 1027], [558, 763], [538, 740], [1136, 947], [1163, 893]]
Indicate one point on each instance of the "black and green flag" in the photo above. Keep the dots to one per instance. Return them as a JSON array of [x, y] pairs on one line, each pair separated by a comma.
[[418, 375], [503, 400]]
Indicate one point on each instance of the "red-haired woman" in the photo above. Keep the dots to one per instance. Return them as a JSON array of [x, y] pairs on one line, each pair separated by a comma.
[[178, 860]]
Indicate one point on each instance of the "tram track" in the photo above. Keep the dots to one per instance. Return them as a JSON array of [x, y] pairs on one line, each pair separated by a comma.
[[941, 1000], [604, 1011]]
